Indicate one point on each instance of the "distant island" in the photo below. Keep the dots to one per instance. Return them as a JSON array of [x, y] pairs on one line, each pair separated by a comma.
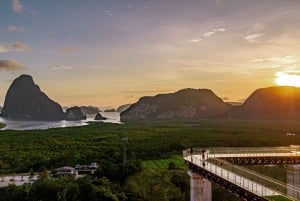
[[25, 101], [100, 117], [74, 113], [110, 110]]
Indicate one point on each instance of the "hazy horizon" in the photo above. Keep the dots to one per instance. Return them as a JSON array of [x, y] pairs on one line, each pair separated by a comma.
[[108, 53]]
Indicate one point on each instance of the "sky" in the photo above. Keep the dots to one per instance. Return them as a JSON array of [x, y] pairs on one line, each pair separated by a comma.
[[112, 52]]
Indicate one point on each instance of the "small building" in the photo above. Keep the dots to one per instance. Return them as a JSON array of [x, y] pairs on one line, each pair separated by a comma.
[[77, 166], [65, 171], [86, 169], [93, 166]]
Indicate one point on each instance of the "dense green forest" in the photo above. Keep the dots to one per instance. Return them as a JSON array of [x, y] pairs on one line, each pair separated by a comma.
[[153, 156]]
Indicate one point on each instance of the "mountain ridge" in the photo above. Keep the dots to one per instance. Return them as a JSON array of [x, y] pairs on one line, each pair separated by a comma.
[[277, 102], [25, 100], [186, 103], [281, 102]]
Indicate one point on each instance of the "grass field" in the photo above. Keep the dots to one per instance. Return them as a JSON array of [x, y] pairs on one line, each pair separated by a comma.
[[277, 198], [163, 164]]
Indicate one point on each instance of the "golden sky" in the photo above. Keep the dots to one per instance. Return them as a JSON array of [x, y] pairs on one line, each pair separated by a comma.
[[107, 53]]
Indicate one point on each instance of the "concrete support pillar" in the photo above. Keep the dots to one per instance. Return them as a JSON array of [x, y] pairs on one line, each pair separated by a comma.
[[293, 178], [200, 187]]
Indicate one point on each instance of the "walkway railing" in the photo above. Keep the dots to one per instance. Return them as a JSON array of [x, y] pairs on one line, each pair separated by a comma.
[[251, 181]]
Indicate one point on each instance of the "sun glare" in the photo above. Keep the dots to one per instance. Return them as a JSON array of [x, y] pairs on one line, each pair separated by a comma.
[[288, 79]]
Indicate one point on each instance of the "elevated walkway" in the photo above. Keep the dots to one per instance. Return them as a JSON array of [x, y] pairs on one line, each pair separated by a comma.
[[220, 165]]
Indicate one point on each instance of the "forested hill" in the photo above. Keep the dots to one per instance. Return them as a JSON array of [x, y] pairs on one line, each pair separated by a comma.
[[24, 100], [279, 102], [271, 103], [183, 104]]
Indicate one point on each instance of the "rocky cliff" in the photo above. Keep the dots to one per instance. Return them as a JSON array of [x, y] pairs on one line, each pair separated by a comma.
[[99, 117], [270, 103], [24, 100], [183, 104]]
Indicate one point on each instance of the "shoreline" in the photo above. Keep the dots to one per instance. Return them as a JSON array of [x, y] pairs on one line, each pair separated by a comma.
[[44, 125], [2, 125]]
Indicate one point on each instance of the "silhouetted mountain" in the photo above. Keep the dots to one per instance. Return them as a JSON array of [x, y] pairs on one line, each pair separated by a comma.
[[74, 113], [100, 117], [24, 100], [270, 103], [110, 110], [89, 110], [122, 108], [183, 104]]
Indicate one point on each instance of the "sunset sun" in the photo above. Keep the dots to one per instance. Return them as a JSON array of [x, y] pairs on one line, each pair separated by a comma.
[[288, 79]]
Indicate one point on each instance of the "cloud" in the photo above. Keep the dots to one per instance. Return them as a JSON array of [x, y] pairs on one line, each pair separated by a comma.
[[109, 12], [11, 65], [257, 27], [17, 6], [220, 30], [60, 67], [14, 47], [2, 48], [19, 46], [96, 67], [255, 32], [293, 73], [282, 60], [12, 28], [254, 38], [214, 31], [207, 34], [196, 40]]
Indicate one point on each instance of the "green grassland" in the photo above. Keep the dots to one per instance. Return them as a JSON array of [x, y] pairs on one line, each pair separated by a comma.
[[277, 198], [277, 172], [165, 164], [151, 147]]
